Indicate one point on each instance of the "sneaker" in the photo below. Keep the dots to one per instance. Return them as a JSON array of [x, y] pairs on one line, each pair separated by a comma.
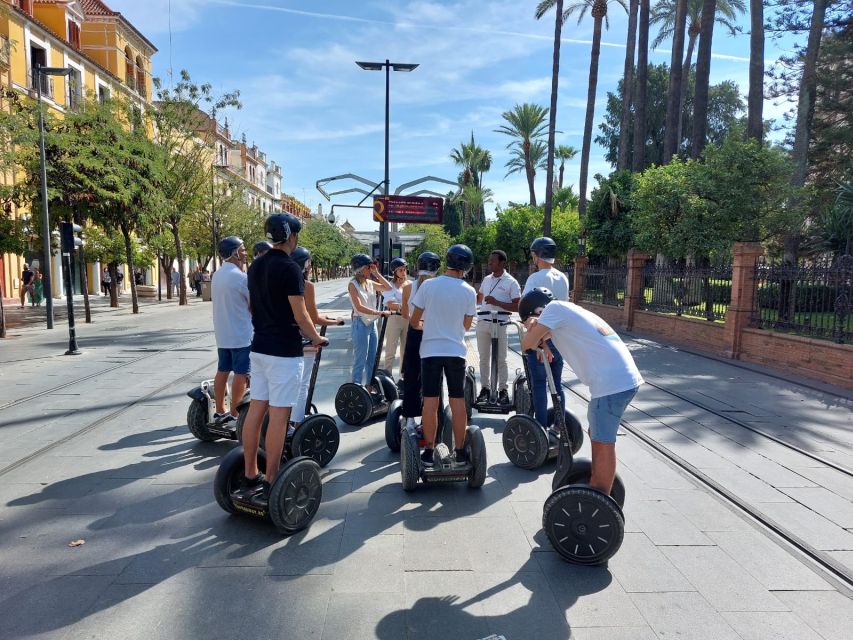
[[223, 419], [503, 396], [426, 456], [461, 456], [484, 395], [248, 487]]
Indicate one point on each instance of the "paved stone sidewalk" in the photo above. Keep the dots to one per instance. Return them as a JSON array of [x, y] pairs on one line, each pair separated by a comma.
[[161, 560]]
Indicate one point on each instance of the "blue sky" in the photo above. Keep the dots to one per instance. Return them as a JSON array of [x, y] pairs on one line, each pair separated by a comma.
[[308, 105]]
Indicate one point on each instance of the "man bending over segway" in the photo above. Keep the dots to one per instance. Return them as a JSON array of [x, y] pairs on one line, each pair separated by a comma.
[[601, 361], [447, 306], [276, 290]]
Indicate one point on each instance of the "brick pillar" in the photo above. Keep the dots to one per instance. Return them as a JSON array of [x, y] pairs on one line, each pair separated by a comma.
[[740, 310], [577, 285], [633, 287]]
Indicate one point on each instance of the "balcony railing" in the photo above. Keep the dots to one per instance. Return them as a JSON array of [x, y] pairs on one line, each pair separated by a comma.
[[46, 83]]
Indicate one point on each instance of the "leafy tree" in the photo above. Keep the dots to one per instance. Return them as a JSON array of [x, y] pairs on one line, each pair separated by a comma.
[[329, 246], [608, 222], [452, 215], [526, 124], [832, 230], [481, 240], [12, 240], [517, 226], [435, 240]]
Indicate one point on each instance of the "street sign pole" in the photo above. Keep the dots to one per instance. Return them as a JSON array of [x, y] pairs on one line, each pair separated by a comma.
[[383, 226]]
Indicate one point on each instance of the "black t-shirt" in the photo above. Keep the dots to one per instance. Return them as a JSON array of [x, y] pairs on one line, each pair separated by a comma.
[[27, 276], [272, 278]]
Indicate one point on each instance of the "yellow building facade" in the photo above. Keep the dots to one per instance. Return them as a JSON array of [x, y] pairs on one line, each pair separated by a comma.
[[108, 58]]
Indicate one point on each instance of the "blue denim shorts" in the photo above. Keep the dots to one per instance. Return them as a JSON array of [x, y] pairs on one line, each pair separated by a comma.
[[236, 360], [605, 413]]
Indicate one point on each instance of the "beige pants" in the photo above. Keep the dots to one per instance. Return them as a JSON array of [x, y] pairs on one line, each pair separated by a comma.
[[395, 332], [484, 346]]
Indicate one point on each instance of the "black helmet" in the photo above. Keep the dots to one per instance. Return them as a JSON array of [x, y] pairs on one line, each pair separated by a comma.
[[280, 226], [545, 248], [301, 256], [359, 261], [460, 257], [396, 263], [228, 247], [533, 301], [429, 261], [261, 248]]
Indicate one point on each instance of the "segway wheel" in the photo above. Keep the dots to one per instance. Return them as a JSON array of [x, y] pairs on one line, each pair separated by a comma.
[[389, 387], [353, 404], [573, 425], [229, 474], [584, 526], [295, 495], [197, 421], [410, 460], [470, 391], [521, 396], [242, 412], [393, 425], [581, 473], [477, 455], [317, 438], [525, 442]]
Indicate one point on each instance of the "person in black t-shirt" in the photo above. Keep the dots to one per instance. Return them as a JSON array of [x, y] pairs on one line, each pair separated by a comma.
[[26, 282], [278, 313]]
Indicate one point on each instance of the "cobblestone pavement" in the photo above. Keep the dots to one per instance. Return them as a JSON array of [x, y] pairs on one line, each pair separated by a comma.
[[96, 448]]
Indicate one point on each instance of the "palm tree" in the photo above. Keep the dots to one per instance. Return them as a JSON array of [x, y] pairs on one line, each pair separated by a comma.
[[536, 156], [638, 160], [564, 153], [475, 161], [552, 122], [673, 98], [526, 124], [598, 10], [663, 15], [703, 78], [755, 101], [627, 83], [474, 198]]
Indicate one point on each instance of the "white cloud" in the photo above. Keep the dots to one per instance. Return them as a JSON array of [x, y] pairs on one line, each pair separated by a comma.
[[153, 17]]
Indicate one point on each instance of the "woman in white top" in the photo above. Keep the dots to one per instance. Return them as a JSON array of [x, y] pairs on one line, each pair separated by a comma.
[[362, 292], [397, 326]]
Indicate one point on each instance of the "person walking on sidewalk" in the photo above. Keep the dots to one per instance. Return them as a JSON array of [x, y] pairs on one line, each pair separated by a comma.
[[106, 280], [232, 325], [428, 265], [601, 361], [37, 289], [197, 280], [397, 326], [499, 291], [447, 305], [362, 292], [26, 282], [302, 257], [276, 294], [176, 281], [544, 252]]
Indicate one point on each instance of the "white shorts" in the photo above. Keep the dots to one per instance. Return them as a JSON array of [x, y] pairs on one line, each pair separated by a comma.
[[276, 380]]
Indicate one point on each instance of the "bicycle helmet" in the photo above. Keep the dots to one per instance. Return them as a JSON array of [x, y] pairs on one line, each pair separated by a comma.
[[460, 257], [280, 226], [428, 263], [396, 263], [301, 256], [532, 302], [544, 248], [359, 261], [229, 246], [261, 248]]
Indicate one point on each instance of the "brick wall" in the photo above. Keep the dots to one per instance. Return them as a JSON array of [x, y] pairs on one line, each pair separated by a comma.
[[611, 315], [696, 334]]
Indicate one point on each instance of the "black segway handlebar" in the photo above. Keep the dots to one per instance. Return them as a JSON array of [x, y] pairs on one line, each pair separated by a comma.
[[564, 462]]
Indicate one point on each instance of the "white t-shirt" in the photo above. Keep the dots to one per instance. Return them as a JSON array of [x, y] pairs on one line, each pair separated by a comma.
[[593, 350], [232, 321], [504, 289], [367, 294], [551, 279], [445, 302], [394, 294]]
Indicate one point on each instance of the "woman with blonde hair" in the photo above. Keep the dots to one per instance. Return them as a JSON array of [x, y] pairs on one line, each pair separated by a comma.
[[397, 327], [362, 289]]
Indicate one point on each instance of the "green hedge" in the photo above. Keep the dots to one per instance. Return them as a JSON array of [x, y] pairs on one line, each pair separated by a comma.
[[816, 298]]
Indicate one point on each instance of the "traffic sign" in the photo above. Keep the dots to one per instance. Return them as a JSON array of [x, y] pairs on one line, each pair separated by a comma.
[[408, 209]]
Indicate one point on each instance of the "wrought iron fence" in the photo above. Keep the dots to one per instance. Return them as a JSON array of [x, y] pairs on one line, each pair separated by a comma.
[[699, 292], [813, 299], [605, 284]]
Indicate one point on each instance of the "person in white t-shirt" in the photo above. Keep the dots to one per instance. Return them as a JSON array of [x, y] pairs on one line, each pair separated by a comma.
[[447, 306], [543, 252], [601, 361], [499, 291], [397, 327], [232, 324]]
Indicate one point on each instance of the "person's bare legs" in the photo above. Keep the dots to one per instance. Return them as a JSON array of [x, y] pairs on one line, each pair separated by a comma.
[[252, 436], [276, 434], [603, 466], [429, 421], [460, 420], [220, 388], [238, 390]]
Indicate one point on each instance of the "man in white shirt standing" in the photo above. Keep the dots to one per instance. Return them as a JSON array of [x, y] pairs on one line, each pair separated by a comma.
[[601, 361], [499, 291], [543, 252], [232, 324], [447, 306]]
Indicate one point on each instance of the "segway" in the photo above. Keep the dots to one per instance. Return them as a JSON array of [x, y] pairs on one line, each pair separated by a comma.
[[355, 404], [444, 468], [294, 498], [200, 414], [585, 526], [520, 402], [395, 424]]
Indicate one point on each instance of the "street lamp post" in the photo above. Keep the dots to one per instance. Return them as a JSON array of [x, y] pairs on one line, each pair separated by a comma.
[[384, 248], [48, 285]]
